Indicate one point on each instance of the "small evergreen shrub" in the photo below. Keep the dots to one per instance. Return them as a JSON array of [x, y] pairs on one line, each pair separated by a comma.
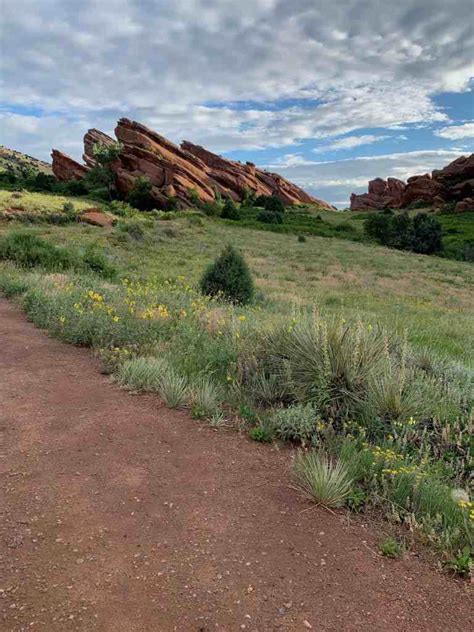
[[270, 217], [301, 239], [401, 231], [270, 203], [427, 232], [274, 204], [230, 211], [229, 277], [378, 227]]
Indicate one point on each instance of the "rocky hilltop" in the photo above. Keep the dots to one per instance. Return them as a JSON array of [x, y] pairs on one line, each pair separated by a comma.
[[178, 171], [454, 183]]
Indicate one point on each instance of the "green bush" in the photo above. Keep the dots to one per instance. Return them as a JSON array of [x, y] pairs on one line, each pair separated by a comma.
[[133, 228], [296, 423], [270, 203], [211, 209], [401, 231], [172, 204], [229, 277], [140, 196], [29, 251], [122, 209], [422, 234], [390, 548], [378, 227], [230, 211], [426, 234], [270, 217], [97, 262]]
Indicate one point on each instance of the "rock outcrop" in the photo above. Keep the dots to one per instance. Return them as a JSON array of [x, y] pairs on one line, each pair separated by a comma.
[[91, 138], [381, 193], [66, 168], [184, 172], [96, 217], [454, 183]]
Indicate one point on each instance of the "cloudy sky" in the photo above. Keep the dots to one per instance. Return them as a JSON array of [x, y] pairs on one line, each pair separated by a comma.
[[327, 93]]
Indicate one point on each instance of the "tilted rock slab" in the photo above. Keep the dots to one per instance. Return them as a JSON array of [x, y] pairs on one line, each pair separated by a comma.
[[184, 172]]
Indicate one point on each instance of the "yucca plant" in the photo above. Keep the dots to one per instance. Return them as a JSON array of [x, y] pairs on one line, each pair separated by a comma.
[[328, 363], [206, 398], [142, 374], [173, 389], [321, 479]]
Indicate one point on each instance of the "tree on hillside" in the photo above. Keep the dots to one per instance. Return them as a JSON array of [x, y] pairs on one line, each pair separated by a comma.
[[427, 234], [230, 211], [101, 176]]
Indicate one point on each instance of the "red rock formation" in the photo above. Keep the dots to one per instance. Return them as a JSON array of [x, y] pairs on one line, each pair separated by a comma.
[[464, 205], [240, 178], [182, 172], [423, 188], [453, 183], [91, 138], [66, 168], [382, 193], [459, 170]]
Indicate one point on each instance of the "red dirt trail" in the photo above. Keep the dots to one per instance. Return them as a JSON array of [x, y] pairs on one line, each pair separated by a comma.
[[120, 515]]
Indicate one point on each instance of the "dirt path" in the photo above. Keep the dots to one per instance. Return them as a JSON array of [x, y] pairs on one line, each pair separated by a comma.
[[120, 515]]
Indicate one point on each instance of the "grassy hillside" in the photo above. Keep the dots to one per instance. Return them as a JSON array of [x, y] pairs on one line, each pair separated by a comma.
[[358, 350], [16, 160]]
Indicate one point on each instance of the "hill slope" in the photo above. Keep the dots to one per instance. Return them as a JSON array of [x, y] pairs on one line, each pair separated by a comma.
[[12, 159]]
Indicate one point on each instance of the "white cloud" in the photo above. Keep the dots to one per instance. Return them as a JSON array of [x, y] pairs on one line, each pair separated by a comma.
[[354, 64], [456, 132], [350, 142]]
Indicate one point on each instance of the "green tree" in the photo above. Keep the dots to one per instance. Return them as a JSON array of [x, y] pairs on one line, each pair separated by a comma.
[[378, 227], [230, 211], [102, 176], [229, 276], [401, 231], [427, 234], [274, 204]]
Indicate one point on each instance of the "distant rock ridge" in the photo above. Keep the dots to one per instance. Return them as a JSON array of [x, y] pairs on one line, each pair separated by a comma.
[[453, 183], [183, 172]]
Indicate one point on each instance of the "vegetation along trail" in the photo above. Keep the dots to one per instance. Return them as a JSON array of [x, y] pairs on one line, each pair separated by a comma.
[[119, 514]]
